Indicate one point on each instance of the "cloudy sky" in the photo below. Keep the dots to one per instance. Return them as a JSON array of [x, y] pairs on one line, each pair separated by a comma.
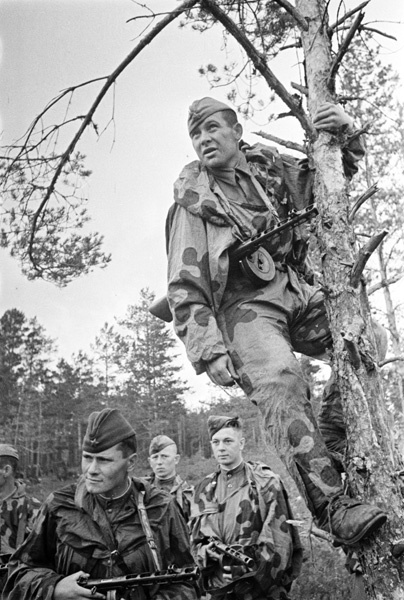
[[49, 45]]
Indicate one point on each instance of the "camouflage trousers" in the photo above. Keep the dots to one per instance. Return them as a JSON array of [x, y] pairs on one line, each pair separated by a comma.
[[262, 328]]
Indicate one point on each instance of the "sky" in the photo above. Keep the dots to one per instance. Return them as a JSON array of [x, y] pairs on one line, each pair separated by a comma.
[[49, 45]]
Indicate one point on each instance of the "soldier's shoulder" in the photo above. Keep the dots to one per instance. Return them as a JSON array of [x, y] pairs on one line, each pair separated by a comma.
[[262, 470]]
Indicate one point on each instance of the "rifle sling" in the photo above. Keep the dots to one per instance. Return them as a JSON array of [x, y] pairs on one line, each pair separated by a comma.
[[144, 521]]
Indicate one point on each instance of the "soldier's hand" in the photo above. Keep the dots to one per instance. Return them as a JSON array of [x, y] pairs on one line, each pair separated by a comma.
[[221, 371], [69, 589], [331, 117], [211, 552], [226, 573]]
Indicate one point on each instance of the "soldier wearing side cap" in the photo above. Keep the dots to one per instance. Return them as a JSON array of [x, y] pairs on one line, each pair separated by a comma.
[[245, 506], [163, 460], [17, 508], [108, 524], [239, 330]]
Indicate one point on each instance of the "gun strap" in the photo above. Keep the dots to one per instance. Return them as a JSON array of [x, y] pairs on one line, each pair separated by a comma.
[[144, 521]]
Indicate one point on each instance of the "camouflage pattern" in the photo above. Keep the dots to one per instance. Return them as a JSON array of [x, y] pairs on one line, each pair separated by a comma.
[[254, 515], [218, 311], [72, 532], [180, 490], [17, 513]]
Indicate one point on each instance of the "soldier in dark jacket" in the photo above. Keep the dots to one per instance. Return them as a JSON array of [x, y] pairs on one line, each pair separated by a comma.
[[101, 526], [163, 460], [243, 505]]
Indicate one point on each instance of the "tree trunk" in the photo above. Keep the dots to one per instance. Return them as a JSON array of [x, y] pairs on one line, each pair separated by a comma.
[[370, 451]]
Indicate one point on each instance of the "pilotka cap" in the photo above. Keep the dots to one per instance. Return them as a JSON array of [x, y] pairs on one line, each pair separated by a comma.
[[7, 450], [216, 423], [105, 429], [160, 442], [203, 108]]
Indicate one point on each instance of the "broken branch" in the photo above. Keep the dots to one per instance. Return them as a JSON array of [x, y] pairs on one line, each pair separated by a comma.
[[364, 254], [343, 49], [281, 142], [346, 16], [361, 200]]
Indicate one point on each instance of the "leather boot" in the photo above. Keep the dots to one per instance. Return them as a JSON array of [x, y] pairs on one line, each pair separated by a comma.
[[349, 520]]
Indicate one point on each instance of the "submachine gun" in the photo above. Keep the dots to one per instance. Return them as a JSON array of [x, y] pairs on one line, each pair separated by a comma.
[[121, 584], [254, 261], [234, 553]]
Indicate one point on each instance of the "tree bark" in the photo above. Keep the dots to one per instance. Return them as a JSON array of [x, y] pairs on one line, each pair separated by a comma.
[[371, 461]]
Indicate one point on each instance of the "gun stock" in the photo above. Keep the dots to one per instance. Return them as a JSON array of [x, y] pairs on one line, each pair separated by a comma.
[[161, 309], [171, 575]]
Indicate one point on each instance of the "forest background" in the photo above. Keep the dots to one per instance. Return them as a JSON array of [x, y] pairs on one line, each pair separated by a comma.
[[134, 362]]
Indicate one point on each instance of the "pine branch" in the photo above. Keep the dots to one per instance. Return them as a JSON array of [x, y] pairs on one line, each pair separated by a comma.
[[298, 17], [88, 119], [259, 62], [281, 142]]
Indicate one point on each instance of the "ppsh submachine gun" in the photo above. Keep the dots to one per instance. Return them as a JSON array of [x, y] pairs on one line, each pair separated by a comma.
[[234, 553], [115, 586], [253, 259]]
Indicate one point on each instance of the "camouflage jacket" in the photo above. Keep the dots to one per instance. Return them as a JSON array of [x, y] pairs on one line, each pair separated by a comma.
[[72, 533], [17, 513], [16, 516], [257, 513], [202, 226], [181, 491]]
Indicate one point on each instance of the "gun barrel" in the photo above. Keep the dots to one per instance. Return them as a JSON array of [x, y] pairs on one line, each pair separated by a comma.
[[141, 579], [237, 556]]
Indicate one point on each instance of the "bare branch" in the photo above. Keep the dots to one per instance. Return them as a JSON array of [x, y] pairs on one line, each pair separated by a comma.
[[110, 80], [281, 142], [390, 360], [382, 33], [343, 48], [298, 17], [383, 284], [346, 16], [361, 200], [260, 64], [364, 254]]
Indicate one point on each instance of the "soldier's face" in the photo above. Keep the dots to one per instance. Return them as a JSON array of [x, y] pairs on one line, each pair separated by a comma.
[[216, 143], [163, 463], [106, 472], [227, 445]]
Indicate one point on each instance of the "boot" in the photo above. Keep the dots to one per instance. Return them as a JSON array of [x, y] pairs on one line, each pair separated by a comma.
[[350, 521]]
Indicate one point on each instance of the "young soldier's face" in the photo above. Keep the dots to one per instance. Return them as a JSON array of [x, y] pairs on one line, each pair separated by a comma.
[[227, 445], [216, 143], [163, 463], [106, 472]]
